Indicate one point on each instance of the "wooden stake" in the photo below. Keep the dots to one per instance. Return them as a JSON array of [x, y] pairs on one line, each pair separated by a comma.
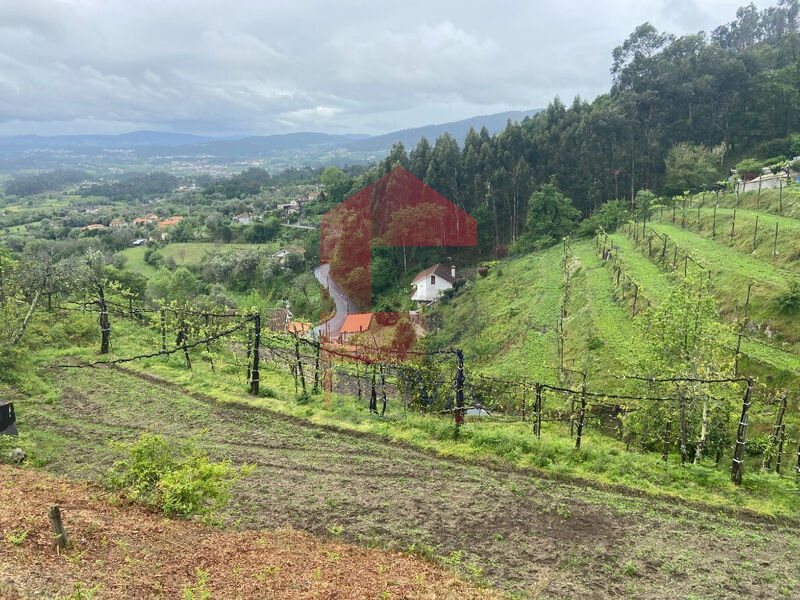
[[254, 374], [683, 430], [59, 533], [581, 415], [163, 316], [755, 234], [733, 224], [714, 223], [780, 451], [537, 411]]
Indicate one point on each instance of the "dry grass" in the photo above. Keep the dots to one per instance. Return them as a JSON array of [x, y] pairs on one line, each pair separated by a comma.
[[133, 553]]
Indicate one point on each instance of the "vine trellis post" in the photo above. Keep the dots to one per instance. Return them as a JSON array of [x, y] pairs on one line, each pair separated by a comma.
[[254, 372], [737, 467]]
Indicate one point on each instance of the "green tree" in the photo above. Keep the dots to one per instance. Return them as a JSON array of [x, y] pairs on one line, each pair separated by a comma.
[[551, 216], [689, 167]]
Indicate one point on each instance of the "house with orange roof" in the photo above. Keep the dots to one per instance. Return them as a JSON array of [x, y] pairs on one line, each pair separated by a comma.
[[117, 223], [140, 221], [355, 324], [298, 327], [93, 226]]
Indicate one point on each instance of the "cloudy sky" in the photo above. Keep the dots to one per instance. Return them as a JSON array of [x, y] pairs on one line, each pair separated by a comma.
[[260, 67]]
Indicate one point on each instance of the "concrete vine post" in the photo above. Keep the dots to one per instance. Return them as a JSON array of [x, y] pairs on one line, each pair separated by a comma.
[[776, 432], [737, 466], [741, 331]]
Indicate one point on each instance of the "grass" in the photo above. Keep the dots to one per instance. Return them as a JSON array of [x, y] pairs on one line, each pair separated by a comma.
[[187, 254], [602, 459]]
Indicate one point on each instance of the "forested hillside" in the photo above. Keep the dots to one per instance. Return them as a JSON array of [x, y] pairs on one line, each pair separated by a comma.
[[680, 113]]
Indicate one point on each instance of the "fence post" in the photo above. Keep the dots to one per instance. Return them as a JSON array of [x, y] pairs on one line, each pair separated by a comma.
[[714, 224], [581, 415], [459, 389], [780, 451], [537, 411], [667, 432], [105, 324], [59, 533], [373, 397], [254, 374], [741, 331], [299, 365], [316, 369], [741, 436], [776, 432], [163, 315], [683, 430], [733, 225], [755, 234], [775, 244]]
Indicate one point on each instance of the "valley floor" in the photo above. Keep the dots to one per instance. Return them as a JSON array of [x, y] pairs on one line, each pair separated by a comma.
[[541, 537]]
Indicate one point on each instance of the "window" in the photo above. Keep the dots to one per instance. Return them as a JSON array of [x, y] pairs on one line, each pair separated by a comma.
[[433, 279]]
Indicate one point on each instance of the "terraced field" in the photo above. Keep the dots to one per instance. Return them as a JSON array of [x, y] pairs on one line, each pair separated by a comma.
[[545, 537]]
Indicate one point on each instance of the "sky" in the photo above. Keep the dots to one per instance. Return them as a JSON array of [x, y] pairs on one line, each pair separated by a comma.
[[249, 67]]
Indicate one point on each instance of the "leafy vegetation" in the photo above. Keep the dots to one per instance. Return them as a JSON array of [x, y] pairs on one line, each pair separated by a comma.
[[180, 480]]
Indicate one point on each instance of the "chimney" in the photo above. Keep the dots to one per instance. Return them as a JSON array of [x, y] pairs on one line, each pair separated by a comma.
[[453, 271]]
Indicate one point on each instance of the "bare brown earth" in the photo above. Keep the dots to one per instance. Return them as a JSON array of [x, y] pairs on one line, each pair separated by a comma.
[[133, 553], [532, 536]]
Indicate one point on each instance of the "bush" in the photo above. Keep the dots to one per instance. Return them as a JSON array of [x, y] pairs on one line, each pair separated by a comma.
[[789, 301], [750, 166], [179, 479]]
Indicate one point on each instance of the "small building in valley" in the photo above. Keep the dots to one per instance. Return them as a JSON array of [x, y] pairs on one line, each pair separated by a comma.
[[355, 324], [432, 282]]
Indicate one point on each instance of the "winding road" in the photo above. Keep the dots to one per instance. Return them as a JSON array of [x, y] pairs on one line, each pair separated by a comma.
[[343, 303]]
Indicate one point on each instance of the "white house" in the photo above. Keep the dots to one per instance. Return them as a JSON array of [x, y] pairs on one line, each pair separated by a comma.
[[431, 282], [244, 218]]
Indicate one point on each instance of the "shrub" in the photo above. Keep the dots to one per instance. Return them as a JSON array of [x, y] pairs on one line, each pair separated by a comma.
[[750, 166], [789, 301], [179, 479]]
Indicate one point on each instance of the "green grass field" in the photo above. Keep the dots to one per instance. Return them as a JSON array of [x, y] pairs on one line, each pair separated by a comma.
[[187, 253]]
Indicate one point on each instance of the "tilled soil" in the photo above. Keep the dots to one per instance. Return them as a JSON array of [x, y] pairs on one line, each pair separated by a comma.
[[123, 551], [532, 535]]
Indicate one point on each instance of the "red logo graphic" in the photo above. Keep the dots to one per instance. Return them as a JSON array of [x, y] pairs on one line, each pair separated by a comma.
[[398, 210]]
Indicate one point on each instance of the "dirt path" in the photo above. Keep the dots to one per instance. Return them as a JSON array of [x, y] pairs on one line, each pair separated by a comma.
[[546, 538]]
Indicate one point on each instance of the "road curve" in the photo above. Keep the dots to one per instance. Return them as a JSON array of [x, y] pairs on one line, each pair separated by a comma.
[[341, 301]]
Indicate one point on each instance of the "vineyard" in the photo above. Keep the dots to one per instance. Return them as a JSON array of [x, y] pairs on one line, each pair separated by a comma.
[[650, 361]]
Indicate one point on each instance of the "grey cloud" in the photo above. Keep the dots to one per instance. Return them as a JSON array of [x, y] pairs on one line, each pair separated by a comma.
[[244, 67]]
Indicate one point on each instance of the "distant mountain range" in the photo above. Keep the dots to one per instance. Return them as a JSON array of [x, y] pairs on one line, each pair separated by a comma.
[[156, 148]]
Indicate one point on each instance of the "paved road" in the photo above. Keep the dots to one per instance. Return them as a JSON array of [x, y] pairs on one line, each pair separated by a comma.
[[343, 303]]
